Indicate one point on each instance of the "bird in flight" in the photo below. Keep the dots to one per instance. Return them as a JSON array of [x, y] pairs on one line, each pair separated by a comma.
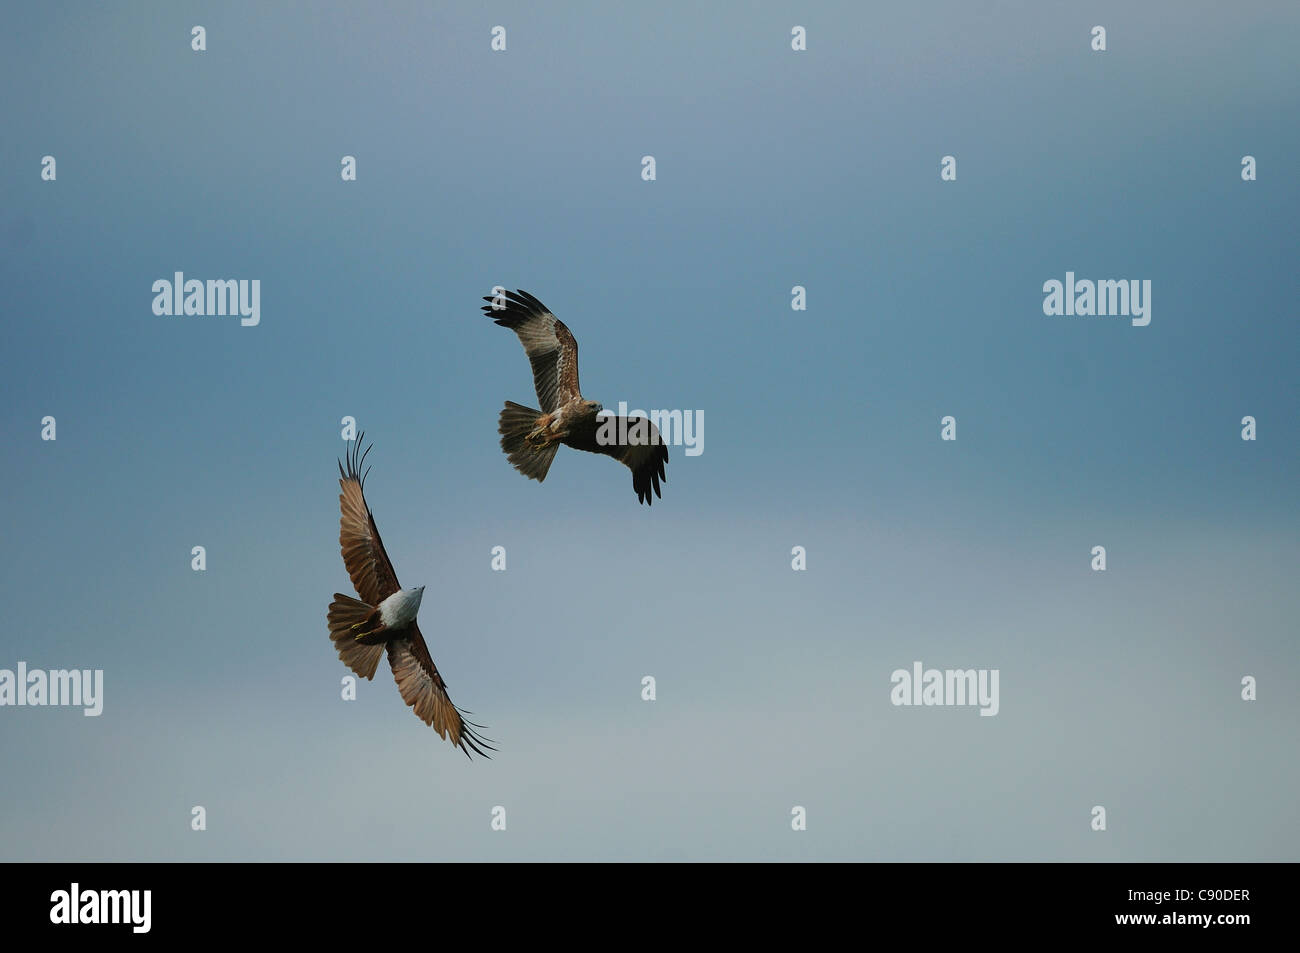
[[384, 617], [530, 438]]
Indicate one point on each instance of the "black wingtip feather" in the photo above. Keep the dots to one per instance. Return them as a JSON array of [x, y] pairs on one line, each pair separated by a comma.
[[519, 306], [356, 459], [646, 480]]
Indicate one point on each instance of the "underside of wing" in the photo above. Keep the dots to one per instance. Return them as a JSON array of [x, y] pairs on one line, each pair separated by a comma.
[[363, 551], [424, 690], [641, 449], [550, 346]]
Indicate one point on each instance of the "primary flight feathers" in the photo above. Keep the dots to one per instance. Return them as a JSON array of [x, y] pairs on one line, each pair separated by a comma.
[[383, 620], [530, 438]]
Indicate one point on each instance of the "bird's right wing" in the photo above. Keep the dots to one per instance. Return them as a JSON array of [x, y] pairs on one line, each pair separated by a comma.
[[363, 551], [550, 346]]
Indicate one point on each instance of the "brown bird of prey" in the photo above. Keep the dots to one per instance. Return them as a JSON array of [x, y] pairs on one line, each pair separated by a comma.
[[531, 438], [384, 618]]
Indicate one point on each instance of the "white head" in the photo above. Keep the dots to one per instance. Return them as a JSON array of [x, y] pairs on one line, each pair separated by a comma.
[[400, 608]]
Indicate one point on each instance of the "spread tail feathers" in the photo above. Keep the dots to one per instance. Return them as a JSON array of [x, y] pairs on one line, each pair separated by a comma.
[[348, 617], [517, 422]]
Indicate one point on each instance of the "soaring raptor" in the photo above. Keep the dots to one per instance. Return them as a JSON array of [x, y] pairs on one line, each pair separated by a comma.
[[384, 618], [531, 437]]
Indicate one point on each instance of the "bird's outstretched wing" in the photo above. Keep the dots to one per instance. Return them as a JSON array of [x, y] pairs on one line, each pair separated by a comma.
[[550, 346], [363, 551], [644, 453], [424, 690]]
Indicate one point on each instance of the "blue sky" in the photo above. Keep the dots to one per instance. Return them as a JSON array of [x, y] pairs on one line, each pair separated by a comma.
[[775, 169]]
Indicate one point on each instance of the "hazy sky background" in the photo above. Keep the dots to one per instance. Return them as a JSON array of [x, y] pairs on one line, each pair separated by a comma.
[[775, 168]]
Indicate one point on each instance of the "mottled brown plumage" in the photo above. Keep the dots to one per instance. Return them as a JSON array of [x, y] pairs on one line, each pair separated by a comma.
[[530, 438]]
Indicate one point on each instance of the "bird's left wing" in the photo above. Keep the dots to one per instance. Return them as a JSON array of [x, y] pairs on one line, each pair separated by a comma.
[[643, 452], [424, 690]]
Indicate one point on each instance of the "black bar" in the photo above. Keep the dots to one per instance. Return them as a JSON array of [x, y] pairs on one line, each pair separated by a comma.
[[334, 901]]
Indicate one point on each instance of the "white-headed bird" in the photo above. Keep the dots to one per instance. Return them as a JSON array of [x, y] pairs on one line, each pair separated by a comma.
[[384, 618]]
